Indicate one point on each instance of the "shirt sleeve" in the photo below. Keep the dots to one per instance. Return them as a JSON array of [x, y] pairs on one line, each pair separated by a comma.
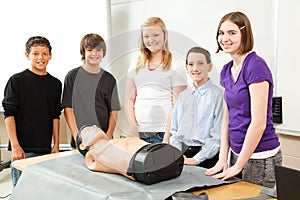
[[131, 70], [179, 77], [257, 71], [68, 89], [225, 74], [58, 107], [115, 103], [11, 102], [175, 125], [212, 144]]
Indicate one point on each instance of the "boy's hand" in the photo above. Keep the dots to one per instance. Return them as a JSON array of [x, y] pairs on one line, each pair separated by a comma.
[[55, 149], [17, 153], [190, 161]]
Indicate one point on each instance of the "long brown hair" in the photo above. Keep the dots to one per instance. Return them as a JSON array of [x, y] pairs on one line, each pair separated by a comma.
[[145, 52]]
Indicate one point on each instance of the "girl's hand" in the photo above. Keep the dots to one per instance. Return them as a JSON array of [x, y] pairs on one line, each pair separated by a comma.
[[228, 173], [220, 166]]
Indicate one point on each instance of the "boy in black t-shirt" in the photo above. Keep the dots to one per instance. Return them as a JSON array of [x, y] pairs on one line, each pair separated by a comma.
[[32, 106]]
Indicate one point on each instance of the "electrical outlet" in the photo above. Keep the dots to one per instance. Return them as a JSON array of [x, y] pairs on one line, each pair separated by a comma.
[[277, 110]]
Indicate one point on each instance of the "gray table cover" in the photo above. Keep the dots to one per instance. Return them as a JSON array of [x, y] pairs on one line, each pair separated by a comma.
[[68, 178]]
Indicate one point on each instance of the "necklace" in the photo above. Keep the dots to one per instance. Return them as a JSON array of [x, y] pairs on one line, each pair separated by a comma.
[[153, 67], [235, 71]]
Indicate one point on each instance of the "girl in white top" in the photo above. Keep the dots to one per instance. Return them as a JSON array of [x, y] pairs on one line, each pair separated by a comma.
[[154, 81]]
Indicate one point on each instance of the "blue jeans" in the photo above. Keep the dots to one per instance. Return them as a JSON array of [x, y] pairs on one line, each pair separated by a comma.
[[15, 173], [154, 139]]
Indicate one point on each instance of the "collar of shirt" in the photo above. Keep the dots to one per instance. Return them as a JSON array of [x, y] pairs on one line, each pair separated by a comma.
[[202, 89]]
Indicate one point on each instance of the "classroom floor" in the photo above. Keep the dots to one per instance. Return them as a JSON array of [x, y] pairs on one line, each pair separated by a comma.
[[5, 184]]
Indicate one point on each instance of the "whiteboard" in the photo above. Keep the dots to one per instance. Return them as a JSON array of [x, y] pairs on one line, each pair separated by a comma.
[[63, 23], [288, 81]]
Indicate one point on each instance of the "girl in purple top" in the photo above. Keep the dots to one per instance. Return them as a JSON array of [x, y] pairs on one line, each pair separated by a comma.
[[247, 128]]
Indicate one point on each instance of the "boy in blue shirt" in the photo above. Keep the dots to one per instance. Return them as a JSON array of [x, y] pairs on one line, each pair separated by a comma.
[[197, 115]]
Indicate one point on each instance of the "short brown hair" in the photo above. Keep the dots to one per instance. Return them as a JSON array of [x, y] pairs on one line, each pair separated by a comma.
[[37, 40], [242, 21], [199, 50], [92, 41]]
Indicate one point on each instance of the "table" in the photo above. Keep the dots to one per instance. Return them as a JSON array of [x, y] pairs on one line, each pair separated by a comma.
[[21, 164], [236, 190]]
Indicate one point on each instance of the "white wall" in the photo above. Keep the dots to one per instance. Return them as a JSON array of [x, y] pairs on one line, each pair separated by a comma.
[[190, 23], [276, 30], [64, 23]]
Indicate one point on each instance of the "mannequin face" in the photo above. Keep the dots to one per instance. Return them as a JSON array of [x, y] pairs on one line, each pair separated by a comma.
[[90, 134]]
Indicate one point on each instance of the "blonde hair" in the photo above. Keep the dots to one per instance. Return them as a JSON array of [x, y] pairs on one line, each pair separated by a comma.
[[145, 52]]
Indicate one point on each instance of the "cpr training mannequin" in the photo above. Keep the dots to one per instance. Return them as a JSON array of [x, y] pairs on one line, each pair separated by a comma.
[[130, 157]]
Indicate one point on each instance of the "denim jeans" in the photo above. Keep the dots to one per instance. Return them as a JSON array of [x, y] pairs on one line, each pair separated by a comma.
[[154, 139], [15, 173]]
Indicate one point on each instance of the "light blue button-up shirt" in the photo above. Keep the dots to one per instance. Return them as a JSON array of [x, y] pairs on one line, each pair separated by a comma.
[[196, 120]]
